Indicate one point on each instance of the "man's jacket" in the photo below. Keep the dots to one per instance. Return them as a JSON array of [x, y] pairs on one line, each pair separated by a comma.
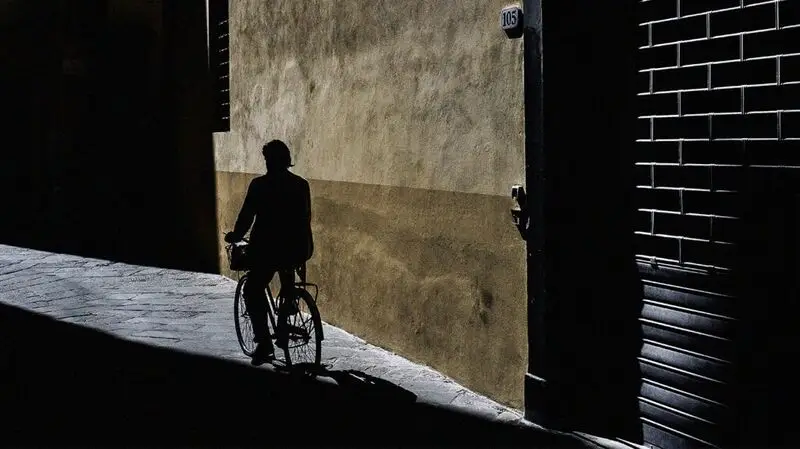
[[280, 203]]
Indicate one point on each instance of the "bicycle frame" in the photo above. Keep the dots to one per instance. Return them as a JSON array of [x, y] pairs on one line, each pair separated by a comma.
[[272, 309], [272, 306], [294, 330]]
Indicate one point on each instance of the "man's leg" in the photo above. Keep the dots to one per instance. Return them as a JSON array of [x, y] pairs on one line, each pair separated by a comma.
[[256, 299], [286, 299], [287, 282]]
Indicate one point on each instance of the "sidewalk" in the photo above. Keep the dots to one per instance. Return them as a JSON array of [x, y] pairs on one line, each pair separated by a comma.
[[192, 313]]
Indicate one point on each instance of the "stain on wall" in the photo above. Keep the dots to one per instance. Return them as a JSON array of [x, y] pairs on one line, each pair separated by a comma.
[[406, 117]]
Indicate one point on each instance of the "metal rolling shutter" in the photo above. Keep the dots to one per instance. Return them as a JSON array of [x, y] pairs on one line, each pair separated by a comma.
[[719, 102]]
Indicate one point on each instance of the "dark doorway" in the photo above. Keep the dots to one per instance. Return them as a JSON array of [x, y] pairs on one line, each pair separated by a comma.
[[586, 294]]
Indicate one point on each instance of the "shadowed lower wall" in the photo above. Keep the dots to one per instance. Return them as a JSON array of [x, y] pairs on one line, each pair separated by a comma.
[[435, 276]]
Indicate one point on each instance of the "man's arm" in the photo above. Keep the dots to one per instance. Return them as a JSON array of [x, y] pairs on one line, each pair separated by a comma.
[[308, 202], [246, 215], [307, 210]]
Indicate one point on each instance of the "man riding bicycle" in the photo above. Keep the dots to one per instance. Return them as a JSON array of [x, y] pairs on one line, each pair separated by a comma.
[[281, 239]]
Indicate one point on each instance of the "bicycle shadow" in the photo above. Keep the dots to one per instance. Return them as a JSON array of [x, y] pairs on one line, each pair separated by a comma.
[[354, 382], [67, 385]]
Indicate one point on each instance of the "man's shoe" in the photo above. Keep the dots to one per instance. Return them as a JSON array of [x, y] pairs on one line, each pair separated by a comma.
[[262, 355]]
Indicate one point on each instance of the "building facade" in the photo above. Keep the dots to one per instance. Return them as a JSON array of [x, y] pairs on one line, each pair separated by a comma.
[[406, 117], [696, 184]]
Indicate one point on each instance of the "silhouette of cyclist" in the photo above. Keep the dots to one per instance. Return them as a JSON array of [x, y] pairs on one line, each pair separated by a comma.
[[281, 240]]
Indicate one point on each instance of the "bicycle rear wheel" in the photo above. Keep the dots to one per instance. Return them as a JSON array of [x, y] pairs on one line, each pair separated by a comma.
[[304, 332], [244, 327]]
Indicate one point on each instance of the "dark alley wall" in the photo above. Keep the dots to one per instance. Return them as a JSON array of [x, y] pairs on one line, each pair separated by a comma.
[[100, 157], [28, 36]]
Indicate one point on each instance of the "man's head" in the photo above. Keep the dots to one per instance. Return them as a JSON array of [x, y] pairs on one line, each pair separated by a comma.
[[277, 156]]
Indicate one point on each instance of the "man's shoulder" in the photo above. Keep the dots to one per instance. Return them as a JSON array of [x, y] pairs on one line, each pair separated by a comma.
[[258, 180], [298, 179]]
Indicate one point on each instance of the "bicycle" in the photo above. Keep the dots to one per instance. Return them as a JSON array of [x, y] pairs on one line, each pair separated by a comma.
[[303, 325]]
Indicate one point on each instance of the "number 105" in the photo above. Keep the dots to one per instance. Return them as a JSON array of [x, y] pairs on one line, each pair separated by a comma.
[[509, 18]]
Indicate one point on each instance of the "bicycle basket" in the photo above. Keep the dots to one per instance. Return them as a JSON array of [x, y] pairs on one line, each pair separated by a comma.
[[237, 257]]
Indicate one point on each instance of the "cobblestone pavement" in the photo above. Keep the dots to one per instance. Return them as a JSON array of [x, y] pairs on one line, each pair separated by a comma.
[[193, 312]]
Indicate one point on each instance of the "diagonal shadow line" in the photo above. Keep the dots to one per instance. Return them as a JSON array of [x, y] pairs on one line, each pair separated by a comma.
[[354, 382], [63, 384]]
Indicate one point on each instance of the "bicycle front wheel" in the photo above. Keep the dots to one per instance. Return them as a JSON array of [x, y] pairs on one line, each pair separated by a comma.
[[244, 326], [304, 332]]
